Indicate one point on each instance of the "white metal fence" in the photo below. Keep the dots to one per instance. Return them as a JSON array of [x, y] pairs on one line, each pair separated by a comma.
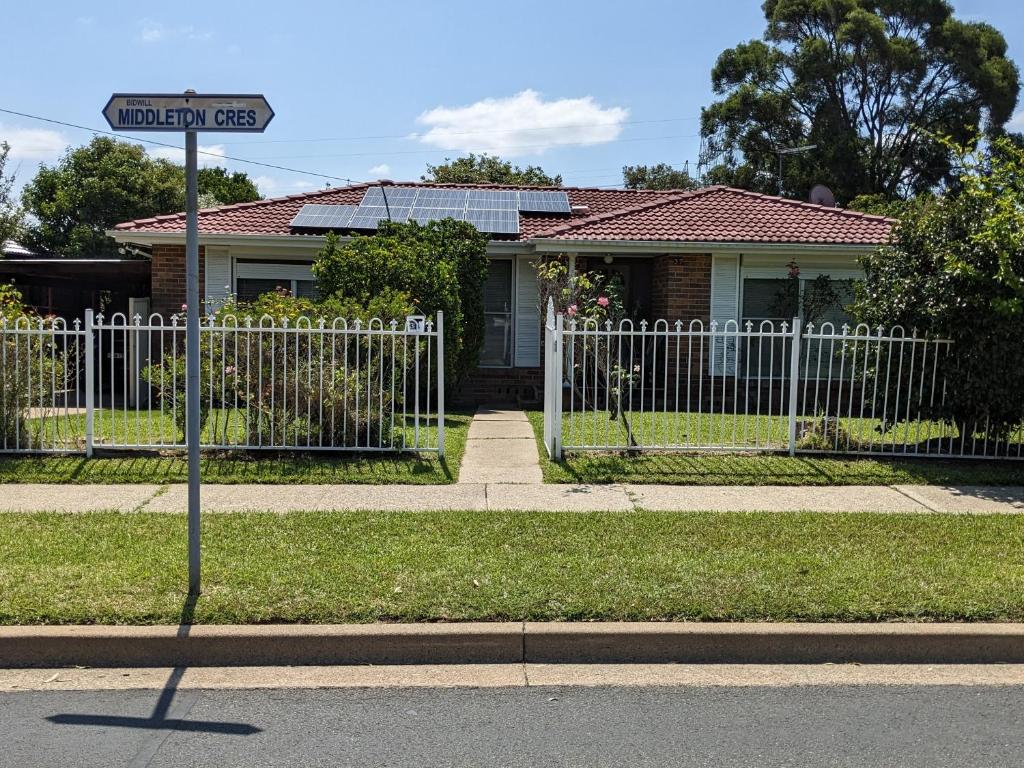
[[766, 386], [119, 383]]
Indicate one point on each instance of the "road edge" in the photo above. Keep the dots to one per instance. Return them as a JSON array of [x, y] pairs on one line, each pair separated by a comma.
[[509, 642]]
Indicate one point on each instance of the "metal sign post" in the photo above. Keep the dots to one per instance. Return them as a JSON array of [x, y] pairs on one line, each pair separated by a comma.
[[192, 353], [190, 112]]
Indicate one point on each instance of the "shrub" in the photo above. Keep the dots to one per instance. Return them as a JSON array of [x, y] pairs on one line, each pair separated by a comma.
[[33, 371], [955, 269], [440, 266], [285, 387]]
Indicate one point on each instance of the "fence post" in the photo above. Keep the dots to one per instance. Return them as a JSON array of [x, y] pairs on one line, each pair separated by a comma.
[[440, 384], [794, 376], [90, 382], [556, 388], [549, 344]]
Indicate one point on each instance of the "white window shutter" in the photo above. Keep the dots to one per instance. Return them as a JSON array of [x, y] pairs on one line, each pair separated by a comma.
[[725, 271], [527, 314], [218, 277]]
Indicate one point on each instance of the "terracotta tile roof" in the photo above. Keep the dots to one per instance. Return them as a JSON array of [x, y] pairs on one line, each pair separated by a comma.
[[716, 214], [724, 214]]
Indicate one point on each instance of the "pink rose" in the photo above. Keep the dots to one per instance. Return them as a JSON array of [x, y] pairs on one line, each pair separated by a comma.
[[184, 307], [571, 311], [602, 301]]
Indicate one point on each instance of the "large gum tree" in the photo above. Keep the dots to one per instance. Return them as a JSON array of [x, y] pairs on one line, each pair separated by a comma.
[[872, 84]]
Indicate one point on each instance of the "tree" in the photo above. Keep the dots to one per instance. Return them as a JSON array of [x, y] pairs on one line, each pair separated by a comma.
[[105, 182], [10, 213], [91, 189], [441, 265], [660, 176], [955, 270], [227, 188], [488, 169], [870, 84]]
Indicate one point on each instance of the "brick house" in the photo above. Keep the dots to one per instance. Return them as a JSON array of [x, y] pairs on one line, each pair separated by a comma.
[[715, 253]]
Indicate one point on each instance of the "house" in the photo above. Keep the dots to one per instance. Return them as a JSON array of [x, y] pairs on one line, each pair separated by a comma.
[[715, 253]]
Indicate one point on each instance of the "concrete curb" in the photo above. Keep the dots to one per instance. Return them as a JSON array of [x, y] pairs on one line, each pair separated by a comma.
[[509, 643]]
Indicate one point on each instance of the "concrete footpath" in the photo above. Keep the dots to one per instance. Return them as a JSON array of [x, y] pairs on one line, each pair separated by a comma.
[[515, 497], [510, 643], [500, 449]]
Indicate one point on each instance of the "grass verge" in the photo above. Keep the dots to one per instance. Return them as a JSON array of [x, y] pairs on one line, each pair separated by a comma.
[[768, 469], [362, 567], [367, 468]]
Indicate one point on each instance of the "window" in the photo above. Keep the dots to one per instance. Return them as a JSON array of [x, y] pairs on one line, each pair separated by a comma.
[[253, 278], [497, 351], [774, 299], [251, 288]]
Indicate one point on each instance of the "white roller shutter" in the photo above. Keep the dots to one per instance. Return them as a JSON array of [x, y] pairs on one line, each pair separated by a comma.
[[218, 277], [527, 314], [725, 289]]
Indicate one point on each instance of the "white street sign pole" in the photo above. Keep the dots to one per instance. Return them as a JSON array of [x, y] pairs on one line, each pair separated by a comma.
[[192, 354], [190, 112]]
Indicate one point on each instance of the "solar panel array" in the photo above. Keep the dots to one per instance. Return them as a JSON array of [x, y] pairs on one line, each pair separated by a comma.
[[324, 217], [494, 211]]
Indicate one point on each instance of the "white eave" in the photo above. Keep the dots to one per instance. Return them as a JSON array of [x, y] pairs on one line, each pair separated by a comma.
[[143, 237]]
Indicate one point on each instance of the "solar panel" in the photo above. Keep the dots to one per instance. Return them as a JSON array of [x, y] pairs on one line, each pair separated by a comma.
[[368, 216], [395, 196], [492, 198], [494, 220], [312, 216], [535, 201], [423, 215]]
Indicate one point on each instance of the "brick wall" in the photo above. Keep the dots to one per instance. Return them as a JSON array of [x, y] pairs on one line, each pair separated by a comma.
[[682, 288], [502, 385], [168, 277]]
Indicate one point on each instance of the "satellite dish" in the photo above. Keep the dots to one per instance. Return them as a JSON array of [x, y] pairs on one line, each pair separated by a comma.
[[822, 195]]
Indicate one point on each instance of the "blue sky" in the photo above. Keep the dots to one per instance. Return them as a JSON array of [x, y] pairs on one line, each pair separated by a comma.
[[366, 90]]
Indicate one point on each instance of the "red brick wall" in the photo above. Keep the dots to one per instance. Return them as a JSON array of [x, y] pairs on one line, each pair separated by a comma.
[[682, 288], [502, 385], [168, 277]]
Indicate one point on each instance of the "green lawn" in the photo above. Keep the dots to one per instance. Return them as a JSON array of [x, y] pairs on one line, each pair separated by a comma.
[[117, 428], [767, 469], [361, 567], [253, 467]]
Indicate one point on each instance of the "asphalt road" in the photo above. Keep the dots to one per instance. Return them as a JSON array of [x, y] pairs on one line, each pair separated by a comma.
[[538, 726]]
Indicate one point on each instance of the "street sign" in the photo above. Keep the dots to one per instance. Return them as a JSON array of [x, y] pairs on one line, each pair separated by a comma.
[[235, 113], [190, 113]]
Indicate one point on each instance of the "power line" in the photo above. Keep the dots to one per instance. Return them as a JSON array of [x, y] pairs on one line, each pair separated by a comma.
[[457, 133], [174, 146], [512, 147]]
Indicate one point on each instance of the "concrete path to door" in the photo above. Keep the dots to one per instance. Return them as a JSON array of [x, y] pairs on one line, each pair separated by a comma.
[[501, 448]]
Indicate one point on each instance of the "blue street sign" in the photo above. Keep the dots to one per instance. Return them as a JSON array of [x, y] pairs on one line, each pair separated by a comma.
[[235, 113]]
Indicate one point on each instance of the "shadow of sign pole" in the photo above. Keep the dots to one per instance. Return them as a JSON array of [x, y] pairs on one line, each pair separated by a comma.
[[162, 719]]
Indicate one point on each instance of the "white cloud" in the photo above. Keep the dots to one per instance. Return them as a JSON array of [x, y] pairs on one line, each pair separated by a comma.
[[40, 144], [207, 156], [273, 187], [379, 171], [1016, 122], [155, 31], [524, 124]]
